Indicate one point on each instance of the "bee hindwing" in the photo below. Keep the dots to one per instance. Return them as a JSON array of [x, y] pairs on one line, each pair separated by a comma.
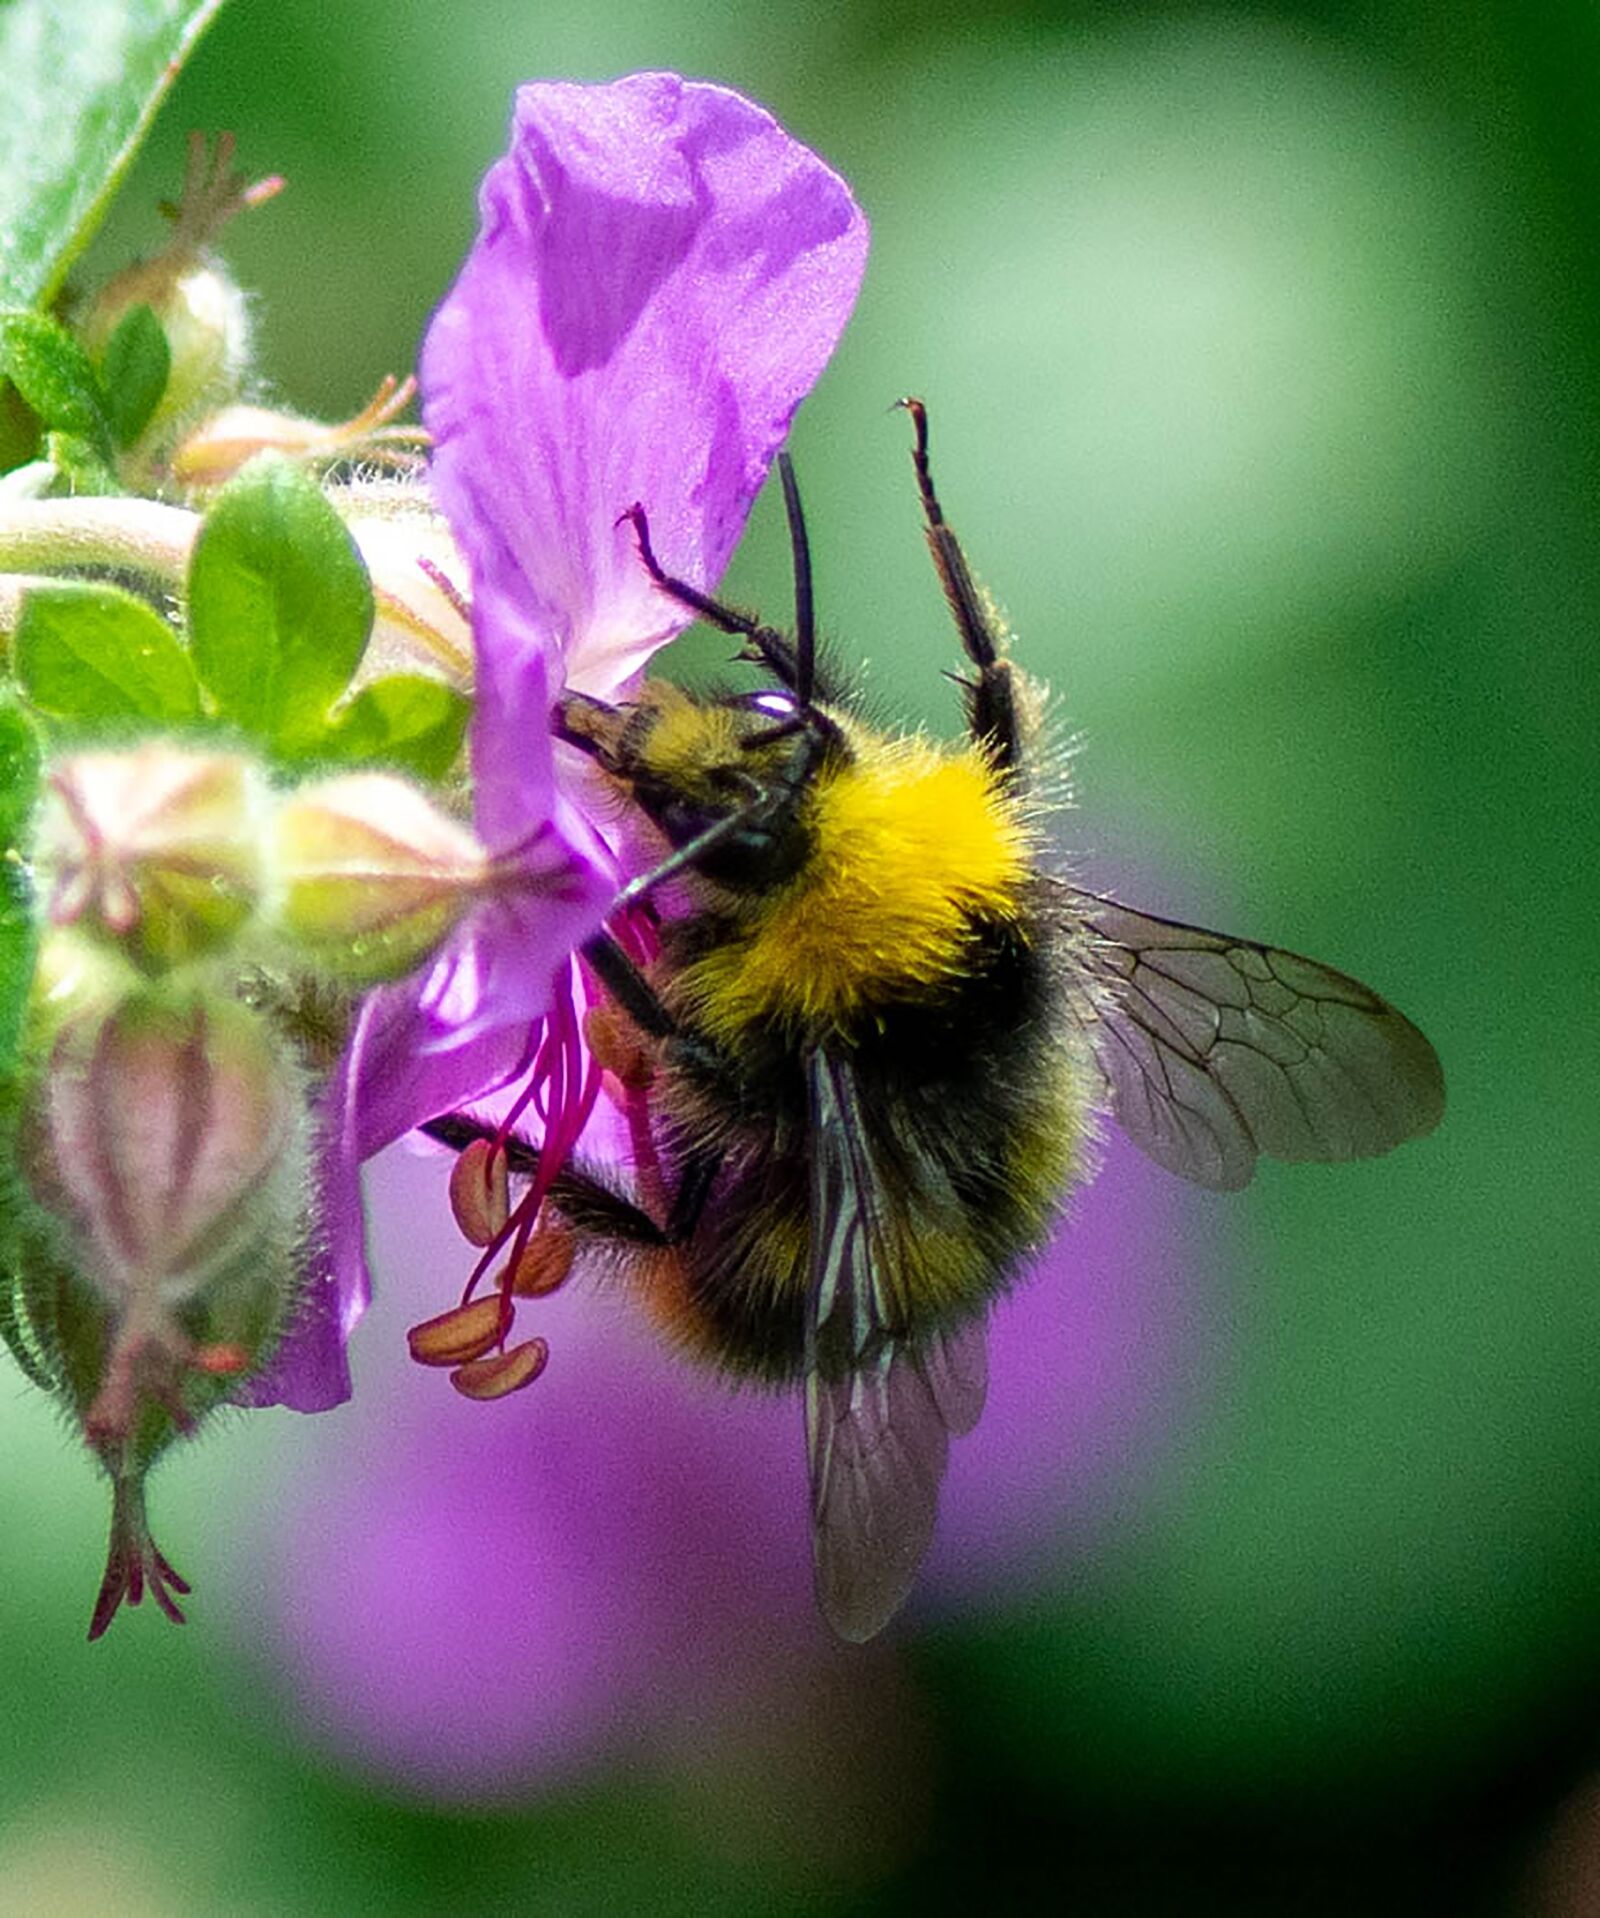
[[1218, 1049], [879, 1409]]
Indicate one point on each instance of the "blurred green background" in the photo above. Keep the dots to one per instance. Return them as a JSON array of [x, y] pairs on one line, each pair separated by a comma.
[[1263, 349]]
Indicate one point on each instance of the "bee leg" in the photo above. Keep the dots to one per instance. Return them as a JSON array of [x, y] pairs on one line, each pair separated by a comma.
[[695, 1181], [632, 991], [776, 649], [991, 697], [584, 1200]]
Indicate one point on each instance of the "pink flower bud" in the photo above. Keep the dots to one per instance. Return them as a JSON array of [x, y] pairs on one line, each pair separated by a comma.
[[165, 1122], [372, 875], [226, 440], [158, 848]]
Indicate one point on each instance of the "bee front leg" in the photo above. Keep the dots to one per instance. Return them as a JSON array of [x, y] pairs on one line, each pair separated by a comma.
[[629, 987], [775, 648]]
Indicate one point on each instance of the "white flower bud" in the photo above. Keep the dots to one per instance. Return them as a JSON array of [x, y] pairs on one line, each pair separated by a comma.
[[202, 312], [371, 875], [158, 849]]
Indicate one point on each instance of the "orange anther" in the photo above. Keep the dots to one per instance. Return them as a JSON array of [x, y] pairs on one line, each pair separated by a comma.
[[478, 1192], [545, 1262], [617, 1045], [504, 1373], [460, 1335]]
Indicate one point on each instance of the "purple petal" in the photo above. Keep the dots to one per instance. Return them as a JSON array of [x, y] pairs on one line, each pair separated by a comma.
[[661, 276], [405, 1062], [311, 1370]]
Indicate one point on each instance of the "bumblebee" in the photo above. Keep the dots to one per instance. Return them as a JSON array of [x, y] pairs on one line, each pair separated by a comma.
[[878, 1035]]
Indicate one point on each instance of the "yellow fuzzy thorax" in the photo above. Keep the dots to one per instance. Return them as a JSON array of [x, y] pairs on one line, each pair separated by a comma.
[[911, 842]]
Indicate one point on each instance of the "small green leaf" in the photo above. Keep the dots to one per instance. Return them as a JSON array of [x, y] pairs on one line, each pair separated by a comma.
[[82, 81], [53, 374], [19, 791], [95, 652], [406, 720], [280, 605], [78, 467], [134, 372]]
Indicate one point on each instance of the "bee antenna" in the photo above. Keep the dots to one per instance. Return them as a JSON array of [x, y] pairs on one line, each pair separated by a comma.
[[805, 630]]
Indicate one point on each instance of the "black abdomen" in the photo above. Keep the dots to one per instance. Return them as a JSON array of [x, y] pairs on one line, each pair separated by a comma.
[[972, 1111]]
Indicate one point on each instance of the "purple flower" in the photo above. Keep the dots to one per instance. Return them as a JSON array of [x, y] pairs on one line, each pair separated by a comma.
[[660, 277]]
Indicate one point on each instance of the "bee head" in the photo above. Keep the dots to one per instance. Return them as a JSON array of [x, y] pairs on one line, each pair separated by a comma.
[[735, 769]]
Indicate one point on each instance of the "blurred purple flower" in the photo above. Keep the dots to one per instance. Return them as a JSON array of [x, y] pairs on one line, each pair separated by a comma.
[[469, 1616], [661, 275]]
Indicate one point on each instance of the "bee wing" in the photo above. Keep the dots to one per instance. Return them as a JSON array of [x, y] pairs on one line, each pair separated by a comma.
[[955, 1368], [1218, 1049], [879, 1411]]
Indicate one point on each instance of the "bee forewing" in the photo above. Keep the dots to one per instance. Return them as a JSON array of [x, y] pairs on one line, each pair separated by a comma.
[[880, 1409], [1218, 1049]]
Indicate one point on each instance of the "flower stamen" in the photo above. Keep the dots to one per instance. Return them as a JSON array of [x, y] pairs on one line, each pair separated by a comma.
[[534, 1255], [460, 1335], [545, 1261], [479, 1192], [502, 1374]]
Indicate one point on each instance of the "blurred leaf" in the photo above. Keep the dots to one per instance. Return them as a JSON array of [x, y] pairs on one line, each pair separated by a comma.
[[19, 788], [405, 720], [95, 652], [54, 375], [83, 80], [280, 605], [19, 772], [77, 468], [134, 372]]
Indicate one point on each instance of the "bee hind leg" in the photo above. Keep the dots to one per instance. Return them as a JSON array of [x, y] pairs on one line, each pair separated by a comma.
[[990, 697], [583, 1197]]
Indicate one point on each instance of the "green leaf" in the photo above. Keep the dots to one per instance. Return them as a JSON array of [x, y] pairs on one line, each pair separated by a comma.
[[280, 605], [406, 720], [78, 467], [53, 374], [83, 80], [134, 372], [95, 652], [19, 791]]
